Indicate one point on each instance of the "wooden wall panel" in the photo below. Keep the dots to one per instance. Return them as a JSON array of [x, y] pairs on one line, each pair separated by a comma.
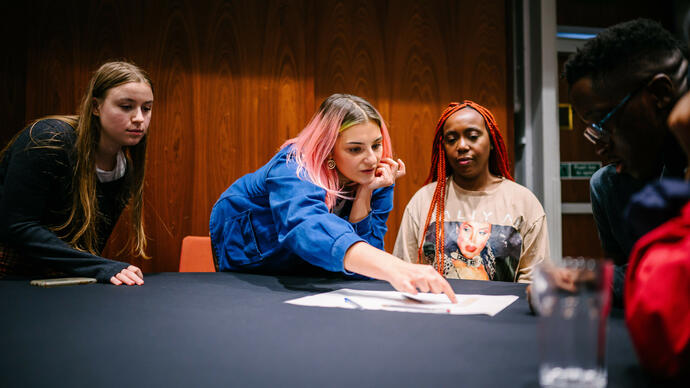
[[235, 79], [217, 159], [421, 89], [52, 63], [439, 52], [349, 52], [580, 232], [12, 71], [170, 178]]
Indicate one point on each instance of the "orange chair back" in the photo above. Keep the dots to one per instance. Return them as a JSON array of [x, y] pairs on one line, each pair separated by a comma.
[[196, 255]]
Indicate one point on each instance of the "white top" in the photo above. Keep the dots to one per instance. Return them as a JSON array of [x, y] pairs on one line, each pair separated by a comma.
[[116, 173]]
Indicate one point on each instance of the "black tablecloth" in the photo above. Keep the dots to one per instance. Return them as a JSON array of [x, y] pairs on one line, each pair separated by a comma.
[[230, 329]]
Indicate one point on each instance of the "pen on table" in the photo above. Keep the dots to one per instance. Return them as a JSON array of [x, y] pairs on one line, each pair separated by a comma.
[[418, 308], [357, 305]]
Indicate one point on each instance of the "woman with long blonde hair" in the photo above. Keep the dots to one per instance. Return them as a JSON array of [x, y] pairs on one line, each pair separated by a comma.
[[64, 181], [321, 202]]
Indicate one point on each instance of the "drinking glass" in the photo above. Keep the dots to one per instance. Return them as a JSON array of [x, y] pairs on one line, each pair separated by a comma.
[[573, 299]]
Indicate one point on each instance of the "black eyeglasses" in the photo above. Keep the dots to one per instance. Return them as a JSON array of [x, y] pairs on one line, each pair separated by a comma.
[[595, 131]]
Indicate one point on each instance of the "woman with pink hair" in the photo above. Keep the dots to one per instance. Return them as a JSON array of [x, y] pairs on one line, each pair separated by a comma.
[[321, 202]]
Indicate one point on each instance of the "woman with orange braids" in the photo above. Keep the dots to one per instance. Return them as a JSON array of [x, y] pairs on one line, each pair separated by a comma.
[[471, 220]]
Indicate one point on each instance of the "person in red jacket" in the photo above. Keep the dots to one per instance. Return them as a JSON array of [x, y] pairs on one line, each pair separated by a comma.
[[657, 291]]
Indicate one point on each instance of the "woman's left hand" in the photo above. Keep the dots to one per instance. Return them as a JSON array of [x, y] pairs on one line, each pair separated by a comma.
[[386, 173], [130, 276]]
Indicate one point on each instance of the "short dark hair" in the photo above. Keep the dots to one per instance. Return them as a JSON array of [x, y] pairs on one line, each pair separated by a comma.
[[629, 47]]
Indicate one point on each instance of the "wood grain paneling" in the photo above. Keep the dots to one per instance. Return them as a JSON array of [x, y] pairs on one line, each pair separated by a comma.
[[170, 179], [580, 233], [439, 52], [349, 52], [234, 79], [418, 63], [218, 160], [12, 71], [52, 62]]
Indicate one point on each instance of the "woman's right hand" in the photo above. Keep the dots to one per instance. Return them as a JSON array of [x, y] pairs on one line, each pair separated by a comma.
[[130, 276], [411, 278], [366, 260]]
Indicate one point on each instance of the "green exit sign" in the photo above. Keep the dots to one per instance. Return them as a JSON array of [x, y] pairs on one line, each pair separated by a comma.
[[579, 170]]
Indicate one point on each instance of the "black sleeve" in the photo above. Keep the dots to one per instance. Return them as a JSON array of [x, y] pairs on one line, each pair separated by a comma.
[[34, 174]]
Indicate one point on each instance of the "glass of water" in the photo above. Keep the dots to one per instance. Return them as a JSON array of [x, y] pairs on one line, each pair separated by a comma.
[[573, 299]]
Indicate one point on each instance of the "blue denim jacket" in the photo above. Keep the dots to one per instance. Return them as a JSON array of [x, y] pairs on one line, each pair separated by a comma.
[[273, 220]]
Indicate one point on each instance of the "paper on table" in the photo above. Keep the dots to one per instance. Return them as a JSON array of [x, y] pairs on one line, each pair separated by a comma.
[[396, 301]]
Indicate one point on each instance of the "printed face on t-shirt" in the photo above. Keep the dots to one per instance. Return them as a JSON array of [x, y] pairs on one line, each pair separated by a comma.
[[476, 250], [472, 237]]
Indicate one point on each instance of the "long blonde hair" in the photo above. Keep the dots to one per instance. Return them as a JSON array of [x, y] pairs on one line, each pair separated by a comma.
[[79, 230]]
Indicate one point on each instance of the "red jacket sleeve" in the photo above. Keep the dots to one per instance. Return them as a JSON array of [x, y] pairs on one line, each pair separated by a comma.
[[657, 297]]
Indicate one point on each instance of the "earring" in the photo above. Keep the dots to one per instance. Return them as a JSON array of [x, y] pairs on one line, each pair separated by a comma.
[[330, 163]]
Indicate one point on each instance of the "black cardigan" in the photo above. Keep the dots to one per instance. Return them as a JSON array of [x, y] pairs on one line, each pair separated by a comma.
[[36, 194]]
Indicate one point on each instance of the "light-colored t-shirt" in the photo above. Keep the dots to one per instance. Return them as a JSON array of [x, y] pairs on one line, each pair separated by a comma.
[[116, 173], [499, 234]]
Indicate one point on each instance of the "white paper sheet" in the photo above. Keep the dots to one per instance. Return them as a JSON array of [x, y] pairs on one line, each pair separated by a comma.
[[397, 301]]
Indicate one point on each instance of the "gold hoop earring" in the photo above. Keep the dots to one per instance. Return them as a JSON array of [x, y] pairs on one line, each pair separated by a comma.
[[330, 163]]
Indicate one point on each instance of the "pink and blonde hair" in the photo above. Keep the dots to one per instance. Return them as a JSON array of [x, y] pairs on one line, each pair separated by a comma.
[[313, 145]]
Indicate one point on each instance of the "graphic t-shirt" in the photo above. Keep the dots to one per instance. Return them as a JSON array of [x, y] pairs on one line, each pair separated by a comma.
[[499, 234]]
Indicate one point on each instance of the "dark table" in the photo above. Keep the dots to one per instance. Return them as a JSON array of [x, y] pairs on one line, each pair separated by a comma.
[[230, 329]]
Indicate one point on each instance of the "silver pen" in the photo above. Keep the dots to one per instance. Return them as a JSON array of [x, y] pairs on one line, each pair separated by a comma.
[[417, 308], [352, 302]]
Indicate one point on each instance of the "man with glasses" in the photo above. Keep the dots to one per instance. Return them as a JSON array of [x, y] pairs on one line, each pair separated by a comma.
[[657, 307], [623, 85]]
